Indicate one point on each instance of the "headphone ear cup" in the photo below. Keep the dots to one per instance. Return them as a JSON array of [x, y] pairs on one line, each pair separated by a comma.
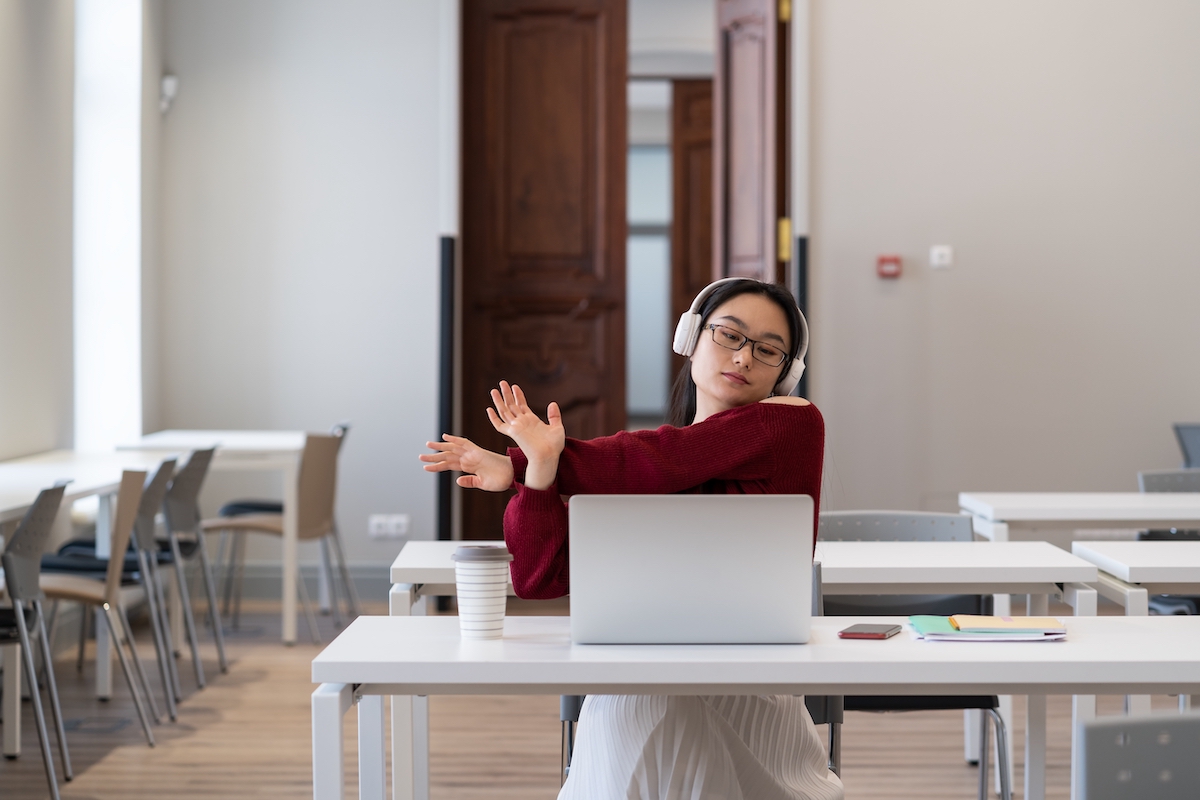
[[788, 383], [687, 331]]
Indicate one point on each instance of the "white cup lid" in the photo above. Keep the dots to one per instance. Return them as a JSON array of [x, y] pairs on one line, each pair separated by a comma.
[[482, 554]]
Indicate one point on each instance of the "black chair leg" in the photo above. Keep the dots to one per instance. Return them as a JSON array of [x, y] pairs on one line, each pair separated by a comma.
[[569, 706]]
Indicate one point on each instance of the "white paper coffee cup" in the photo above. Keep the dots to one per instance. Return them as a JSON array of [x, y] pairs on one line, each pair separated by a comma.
[[481, 584]]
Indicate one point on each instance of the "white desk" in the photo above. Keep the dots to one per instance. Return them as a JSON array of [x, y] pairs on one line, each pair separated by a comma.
[[274, 451], [999, 515], [1036, 569], [21, 480], [378, 656]]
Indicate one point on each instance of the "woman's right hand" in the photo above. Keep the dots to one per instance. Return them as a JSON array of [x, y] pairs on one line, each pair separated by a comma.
[[491, 472]]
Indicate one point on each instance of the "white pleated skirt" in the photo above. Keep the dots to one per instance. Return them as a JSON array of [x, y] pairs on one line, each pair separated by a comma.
[[698, 748]]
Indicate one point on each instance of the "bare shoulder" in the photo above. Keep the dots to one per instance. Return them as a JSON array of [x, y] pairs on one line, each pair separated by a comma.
[[788, 401]]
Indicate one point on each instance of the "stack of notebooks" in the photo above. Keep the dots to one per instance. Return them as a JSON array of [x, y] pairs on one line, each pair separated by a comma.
[[973, 628]]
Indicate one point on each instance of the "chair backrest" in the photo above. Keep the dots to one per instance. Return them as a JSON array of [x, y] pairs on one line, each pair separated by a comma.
[[129, 495], [1133, 758], [894, 526], [181, 507], [1188, 435], [148, 505], [1169, 480], [22, 557], [318, 485]]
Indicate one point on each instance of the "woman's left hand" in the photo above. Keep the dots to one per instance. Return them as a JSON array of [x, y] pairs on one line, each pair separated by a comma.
[[512, 416]]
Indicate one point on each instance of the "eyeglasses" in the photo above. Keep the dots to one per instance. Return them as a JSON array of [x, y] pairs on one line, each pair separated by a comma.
[[730, 339]]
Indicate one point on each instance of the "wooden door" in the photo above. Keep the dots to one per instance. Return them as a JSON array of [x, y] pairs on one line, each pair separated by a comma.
[[543, 249], [750, 147], [692, 264]]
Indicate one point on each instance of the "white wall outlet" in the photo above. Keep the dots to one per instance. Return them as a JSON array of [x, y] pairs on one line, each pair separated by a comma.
[[941, 256], [387, 526]]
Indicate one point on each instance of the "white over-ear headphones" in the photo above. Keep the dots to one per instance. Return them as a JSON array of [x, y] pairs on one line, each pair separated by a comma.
[[687, 333]]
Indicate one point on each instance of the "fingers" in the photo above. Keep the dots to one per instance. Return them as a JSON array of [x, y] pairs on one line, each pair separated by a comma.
[[499, 424], [554, 414]]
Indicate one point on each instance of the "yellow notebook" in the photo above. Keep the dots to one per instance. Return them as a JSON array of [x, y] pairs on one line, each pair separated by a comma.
[[974, 623]]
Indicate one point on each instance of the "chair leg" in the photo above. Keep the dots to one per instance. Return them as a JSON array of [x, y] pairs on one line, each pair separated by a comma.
[[308, 612], [983, 756], [35, 696], [52, 689], [835, 748], [83, 629], [211, 590], [1001, 753], [162, 645], [164, 617], [133, 690], [137, 664], [351, 593], [226, 567], [327, 571], [185, 600], [239, 548]]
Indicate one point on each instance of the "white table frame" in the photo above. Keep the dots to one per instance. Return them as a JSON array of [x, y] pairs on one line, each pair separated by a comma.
[[1035, 569], [251, 451], [379, 656]]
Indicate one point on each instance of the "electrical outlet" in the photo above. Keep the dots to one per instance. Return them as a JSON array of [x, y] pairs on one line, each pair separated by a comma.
[[387, 526]]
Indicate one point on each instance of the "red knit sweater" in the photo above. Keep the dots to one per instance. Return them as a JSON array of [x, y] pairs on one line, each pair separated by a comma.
[[761, 448]]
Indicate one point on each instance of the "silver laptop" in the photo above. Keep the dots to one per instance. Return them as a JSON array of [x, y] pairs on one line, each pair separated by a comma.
[[691, 569]]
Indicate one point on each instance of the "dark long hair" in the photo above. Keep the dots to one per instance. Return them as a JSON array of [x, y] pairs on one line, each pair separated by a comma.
[[683, 392]]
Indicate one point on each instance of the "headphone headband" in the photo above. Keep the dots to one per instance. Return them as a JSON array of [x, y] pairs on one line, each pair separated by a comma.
[[691, 323]]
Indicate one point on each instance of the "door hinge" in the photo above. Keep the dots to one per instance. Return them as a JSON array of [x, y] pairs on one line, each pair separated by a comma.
[[785, 10], [785, 240]]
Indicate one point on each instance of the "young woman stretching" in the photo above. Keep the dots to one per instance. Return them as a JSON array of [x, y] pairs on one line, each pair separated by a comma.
[[733, 430]]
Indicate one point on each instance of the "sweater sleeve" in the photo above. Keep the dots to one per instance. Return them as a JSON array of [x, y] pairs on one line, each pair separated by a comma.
[[743, 444], [535, 531]]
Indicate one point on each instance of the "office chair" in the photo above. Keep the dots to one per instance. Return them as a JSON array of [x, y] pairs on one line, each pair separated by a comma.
[[908, 526], [1188, 435], [1175, 480], [1134, 758], [22, 568]]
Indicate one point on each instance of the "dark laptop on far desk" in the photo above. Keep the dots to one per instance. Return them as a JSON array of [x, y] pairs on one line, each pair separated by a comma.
[[691, 569]]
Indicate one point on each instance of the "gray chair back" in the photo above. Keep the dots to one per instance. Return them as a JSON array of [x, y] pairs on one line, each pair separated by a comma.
[[182, 504], [1135, 758], [1188, 435], [894, 526], [22, 558], [151, 501], [1169, 480]]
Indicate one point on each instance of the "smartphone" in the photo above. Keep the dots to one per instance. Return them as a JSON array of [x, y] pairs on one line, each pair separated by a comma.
[[868, 631]]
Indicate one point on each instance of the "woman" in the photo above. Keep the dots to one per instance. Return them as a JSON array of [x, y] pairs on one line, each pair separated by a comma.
[[733, 430]]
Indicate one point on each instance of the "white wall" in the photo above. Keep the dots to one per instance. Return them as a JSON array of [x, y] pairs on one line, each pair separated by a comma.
[[299, 268], [1054, 145], [36, 81]]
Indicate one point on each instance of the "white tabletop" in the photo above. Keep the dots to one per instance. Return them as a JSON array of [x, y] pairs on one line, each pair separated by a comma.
[[245, 441], [855, 567], [1145, 561], [90, 474], [425, 655], [1085, 509]]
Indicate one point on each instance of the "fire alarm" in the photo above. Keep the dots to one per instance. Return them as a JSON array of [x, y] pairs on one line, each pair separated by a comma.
[[888, 266]]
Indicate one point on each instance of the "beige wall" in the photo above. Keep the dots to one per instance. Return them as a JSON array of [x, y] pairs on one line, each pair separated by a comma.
[[36, 140], [297, 282], [1055, 146]]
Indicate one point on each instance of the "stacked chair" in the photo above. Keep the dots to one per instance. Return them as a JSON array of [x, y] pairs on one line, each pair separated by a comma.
[[114, 594], [26, 618]]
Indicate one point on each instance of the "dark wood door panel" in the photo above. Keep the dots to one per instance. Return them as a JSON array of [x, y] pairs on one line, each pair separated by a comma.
[[692, 263], [543, 217], [747, 178]]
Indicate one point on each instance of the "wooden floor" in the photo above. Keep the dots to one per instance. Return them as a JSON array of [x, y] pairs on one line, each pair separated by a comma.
[[248, 736]]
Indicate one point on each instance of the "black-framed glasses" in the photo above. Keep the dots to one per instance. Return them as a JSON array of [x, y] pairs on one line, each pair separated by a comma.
[[730, 339]]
